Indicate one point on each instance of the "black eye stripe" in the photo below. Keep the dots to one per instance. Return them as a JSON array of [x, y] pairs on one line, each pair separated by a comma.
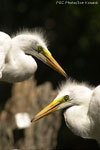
[[54, 106]]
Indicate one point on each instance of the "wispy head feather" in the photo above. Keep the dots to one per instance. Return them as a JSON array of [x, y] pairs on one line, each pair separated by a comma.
[[38, 32]]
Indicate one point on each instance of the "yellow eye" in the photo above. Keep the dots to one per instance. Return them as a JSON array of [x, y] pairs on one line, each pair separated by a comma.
[[66, 98], [40, 49]]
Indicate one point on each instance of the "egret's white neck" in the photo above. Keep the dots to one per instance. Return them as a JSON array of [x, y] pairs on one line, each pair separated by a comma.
[[77, 119], [19, 66]]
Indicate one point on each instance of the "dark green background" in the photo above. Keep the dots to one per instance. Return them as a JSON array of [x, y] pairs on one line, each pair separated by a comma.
[[73, 32]]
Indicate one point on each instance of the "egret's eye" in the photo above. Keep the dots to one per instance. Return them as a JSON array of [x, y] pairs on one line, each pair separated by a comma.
[[40, 49], [66, 98]]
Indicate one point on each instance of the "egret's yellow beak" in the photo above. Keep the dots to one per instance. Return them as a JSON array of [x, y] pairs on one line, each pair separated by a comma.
[[53, 63], [50, 108]]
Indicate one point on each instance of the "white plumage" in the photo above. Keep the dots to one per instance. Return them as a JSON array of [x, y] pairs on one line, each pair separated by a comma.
[[16, 61], [82, 108], [77, 109]]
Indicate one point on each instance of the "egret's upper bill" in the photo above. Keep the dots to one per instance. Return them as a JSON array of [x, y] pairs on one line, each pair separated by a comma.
[[50, 108], [53, 63]]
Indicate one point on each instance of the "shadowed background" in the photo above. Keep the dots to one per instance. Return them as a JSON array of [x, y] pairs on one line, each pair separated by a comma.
[[73, 32]]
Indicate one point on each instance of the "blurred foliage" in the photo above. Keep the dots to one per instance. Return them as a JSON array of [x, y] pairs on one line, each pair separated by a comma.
[[73, 32]]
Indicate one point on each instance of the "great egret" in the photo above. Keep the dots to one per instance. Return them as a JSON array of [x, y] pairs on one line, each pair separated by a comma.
[[82, 108], [16, 61]]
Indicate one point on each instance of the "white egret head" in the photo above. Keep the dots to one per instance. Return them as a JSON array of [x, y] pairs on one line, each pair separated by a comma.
[[70, 94], [34, 44]]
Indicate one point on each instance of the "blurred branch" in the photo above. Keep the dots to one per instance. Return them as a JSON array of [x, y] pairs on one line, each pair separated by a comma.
[[30, 98]]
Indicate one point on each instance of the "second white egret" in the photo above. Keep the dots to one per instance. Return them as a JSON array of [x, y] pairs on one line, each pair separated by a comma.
[[82, 108]]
